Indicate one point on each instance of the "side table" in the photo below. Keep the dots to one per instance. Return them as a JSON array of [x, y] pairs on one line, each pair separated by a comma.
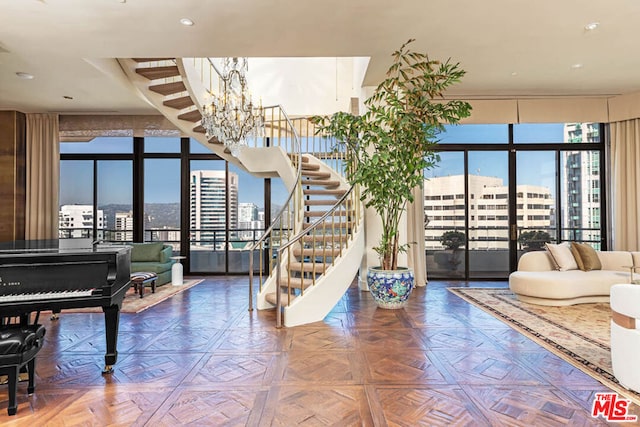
[[176, 271]]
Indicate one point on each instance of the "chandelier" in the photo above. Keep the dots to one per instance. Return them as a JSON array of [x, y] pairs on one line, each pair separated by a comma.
[[231, 117]]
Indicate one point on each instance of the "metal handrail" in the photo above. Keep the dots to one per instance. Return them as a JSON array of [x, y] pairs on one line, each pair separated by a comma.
[[281, 213], [351, 194]]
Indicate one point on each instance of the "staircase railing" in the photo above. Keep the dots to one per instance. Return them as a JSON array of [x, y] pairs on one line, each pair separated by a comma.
[[296, 136], [287, 221], [342, 221]]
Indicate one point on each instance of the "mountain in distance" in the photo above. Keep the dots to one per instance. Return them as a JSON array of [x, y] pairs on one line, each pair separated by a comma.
[[158, 215]]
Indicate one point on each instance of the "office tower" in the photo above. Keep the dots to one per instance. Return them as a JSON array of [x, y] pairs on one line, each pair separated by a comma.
[[209, 204], [124, 227]]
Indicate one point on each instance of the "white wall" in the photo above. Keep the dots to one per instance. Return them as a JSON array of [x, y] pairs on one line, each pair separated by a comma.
[[307, 86]]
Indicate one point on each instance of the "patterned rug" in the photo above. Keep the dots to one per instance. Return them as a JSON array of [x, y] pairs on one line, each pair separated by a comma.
[[578, 333], [132, 302]]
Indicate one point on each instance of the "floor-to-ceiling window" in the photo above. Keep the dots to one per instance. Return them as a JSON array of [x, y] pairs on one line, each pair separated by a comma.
[[502, 190], [166, 189]]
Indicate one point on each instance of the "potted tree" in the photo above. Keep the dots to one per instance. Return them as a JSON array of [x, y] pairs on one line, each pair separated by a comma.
[[533, 240], [390, 146], [452, 241]]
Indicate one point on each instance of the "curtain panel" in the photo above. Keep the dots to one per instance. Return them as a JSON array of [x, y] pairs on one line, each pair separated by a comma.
[[625, 184], [415, 230], [43, 177]]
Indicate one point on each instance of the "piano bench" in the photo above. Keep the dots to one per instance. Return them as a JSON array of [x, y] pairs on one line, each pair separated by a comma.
[[141, 279], [19, 345]]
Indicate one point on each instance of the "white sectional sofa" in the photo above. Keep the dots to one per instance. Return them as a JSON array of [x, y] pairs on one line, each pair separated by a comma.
[[537, 280]]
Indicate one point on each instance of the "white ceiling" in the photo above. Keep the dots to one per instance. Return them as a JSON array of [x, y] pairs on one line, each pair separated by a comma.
[[510, 48]]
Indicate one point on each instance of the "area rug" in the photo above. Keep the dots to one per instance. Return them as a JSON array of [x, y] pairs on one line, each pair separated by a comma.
[[579, 334], [132, 302]]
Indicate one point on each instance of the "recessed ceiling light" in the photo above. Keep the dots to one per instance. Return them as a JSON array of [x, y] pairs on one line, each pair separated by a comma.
[[576, 66], [591, 26], [514, 73], [24, 75], [186, 21]]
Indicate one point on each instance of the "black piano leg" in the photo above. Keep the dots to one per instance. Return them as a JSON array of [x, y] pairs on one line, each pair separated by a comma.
[[111, 320]]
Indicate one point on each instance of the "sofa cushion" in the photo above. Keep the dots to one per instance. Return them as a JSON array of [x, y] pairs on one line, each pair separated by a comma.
[[562, 256], [588, 257], [145, 252], [576, 255], [153, 267]]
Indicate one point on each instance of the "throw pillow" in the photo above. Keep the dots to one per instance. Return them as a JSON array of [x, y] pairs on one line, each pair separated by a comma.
[[576, 255], [562, 256], [589, 257]]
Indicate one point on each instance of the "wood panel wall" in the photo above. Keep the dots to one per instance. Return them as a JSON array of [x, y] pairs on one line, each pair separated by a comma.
[[13, 177]]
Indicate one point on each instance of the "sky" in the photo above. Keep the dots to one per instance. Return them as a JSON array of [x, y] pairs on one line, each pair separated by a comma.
[[162, 178]]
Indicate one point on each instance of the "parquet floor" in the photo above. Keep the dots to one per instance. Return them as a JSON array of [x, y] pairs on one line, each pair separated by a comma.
[[202, 359]]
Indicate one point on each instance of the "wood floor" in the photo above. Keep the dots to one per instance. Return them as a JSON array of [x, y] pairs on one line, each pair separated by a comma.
[[202, 359]]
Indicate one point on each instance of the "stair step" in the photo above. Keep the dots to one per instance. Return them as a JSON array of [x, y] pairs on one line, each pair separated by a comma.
[[321, 182], [336, 214], [324, 202], [316, 173], [179, 103], [331, 225], [168, 88], [310, 238], [307, 267], [199, 129], [294, 158], [326, 192], [140, 60], [295, 283], [310, 166], [191, 116], [317, 252], [272, 298], [154, 73]]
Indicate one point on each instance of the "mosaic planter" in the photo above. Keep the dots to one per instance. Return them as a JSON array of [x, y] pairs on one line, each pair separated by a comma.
[[390, 288]]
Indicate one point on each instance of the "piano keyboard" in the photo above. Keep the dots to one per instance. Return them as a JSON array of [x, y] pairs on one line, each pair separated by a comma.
[[41, 296]]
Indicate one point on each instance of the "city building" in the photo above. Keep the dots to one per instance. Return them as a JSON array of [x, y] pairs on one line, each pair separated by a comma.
[[249, 225], [124, 227], [208, 206], [488, 222], [581, 190], [76, 221]]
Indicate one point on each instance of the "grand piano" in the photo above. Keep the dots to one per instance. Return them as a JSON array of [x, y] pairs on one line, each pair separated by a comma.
[[45, 275]]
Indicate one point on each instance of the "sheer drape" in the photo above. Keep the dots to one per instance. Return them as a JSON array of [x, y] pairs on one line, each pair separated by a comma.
[[625, 182], [415, 230], [43, 176]]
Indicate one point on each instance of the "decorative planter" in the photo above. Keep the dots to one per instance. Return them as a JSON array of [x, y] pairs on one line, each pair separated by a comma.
[[390, 288]]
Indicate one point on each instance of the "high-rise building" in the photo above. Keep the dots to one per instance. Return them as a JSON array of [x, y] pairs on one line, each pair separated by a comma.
[[208, 206], [248, 223], [124, 227], [581, 185], [76, 221], [445, 203]]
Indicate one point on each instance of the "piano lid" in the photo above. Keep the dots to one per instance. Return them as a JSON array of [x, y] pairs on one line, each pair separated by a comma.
[[57, 246]]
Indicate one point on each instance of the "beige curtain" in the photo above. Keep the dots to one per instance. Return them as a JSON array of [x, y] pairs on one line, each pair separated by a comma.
[[415, 230], [43, 176], [625, 181]]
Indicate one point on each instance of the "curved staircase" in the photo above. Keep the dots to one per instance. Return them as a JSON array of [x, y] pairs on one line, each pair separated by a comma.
[[310, 254]]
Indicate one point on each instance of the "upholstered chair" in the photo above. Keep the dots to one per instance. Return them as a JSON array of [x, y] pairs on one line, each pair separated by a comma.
[[625, 334]]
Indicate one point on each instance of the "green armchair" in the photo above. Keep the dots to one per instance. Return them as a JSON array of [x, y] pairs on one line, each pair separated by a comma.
[[154, 257]]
